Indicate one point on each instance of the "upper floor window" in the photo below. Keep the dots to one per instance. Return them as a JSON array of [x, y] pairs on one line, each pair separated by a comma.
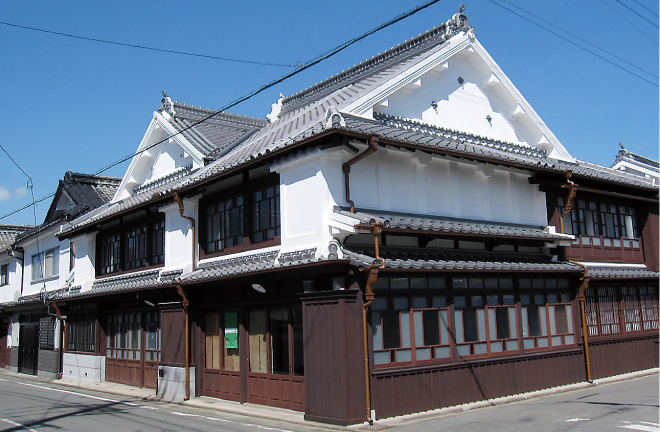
[[613, 310], [135, 246], [235, 221], [599, 218], [4, 274], [45, 265]]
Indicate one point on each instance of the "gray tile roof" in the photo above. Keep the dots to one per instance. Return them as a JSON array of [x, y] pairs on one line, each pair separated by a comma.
[[251, 263], [217, 132], [111, 209], [86, 191], [123, 283], [8, 234], [621, 273], [623, 154], [437, 260], [444, 225]]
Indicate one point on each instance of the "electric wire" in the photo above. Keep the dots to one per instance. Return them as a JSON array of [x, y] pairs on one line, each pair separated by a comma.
[[650, 11], [30, 185], [583, 40], [637, 13], [575, 44], [148, 48], [629, 22], [301, 68]]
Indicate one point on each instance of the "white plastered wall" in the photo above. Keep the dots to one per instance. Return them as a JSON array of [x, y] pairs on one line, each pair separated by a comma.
[[401, 181], [47, 241], [85, 270], [178, 234]]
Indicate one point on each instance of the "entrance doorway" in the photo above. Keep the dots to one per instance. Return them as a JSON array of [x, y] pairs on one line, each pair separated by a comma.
[[133, 348], [28, 343], [276, 374]]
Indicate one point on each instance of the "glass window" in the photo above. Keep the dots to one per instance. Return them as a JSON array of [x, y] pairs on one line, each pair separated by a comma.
[[4, 274], [266, 217]]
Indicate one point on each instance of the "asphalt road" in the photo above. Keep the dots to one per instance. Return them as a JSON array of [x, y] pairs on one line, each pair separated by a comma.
[[34, 406], [27, 405], [624, 406]]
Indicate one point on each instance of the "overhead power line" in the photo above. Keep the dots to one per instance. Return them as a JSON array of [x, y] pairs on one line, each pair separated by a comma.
[[634, 24], [650, 11], [575, 44], [302, 67], [637, 13], [582, 40], [148, 48]]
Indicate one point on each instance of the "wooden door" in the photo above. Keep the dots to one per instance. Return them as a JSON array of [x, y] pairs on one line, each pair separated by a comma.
[[28, 348]]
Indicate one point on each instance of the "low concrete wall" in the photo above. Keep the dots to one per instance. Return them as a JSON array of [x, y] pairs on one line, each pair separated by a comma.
[[49, 363], [13, 359], [83, 368], [172, 383]]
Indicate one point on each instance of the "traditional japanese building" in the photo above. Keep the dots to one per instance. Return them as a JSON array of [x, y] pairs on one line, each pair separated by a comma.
[[403, 236]]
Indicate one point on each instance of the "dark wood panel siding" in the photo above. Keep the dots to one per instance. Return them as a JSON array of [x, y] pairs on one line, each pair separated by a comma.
[[4, 351], [124, 371], [650, 238], [334, 365], [616, 357], [173, 349], [398, 393]]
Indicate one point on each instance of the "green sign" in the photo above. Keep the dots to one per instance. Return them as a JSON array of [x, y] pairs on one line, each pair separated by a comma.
[[231, 330]]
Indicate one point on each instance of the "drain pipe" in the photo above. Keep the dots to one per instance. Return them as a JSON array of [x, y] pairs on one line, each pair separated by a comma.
[[376, 229], [572, 190], [346, 167], [585, 330], [182, 209], [179, 289], [62, 338]]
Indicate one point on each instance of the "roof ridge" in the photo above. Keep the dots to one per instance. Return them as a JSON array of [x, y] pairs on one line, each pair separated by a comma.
[[91, 178], [624, 152], [222, 114], [442, 32]]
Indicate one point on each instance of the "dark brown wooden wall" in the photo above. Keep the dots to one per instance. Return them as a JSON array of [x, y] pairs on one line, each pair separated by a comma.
[[650, 238], [334, 359], [398, 393], [173, 349], [616, 357], [4, 351]]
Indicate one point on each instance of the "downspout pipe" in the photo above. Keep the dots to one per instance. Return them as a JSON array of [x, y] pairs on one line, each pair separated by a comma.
[[346, 167], [184, 298], [62, 337], [572, 190], [585, 330], [182, 209], [372, 277]]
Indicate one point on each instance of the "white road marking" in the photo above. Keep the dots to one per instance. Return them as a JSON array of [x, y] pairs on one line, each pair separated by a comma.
[[217, 419], [73, 393], [148, 407], [578, 419], [17, 424], [184, 414], [2, 379], [643, 427]]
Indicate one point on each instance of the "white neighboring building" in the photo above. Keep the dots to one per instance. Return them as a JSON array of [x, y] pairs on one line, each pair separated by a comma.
[[632, 163]]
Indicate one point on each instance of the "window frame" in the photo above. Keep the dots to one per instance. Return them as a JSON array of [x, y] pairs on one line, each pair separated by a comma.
[[250, 224], [630, 309], [113, 251], [41, 259], [4, 274]]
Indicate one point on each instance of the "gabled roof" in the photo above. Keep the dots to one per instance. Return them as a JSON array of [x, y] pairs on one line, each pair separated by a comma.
[[83, 191], [624, 154], [8, 234], [214, 134], [76, 195]]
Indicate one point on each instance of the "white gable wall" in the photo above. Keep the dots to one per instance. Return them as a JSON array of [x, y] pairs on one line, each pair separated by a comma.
[[84, 270], [465, 106]]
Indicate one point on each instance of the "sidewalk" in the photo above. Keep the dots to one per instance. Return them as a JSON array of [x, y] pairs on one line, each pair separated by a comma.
[[295, 417]]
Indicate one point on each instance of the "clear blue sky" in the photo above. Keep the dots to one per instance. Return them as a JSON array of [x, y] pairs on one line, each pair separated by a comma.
[[74, 105]]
